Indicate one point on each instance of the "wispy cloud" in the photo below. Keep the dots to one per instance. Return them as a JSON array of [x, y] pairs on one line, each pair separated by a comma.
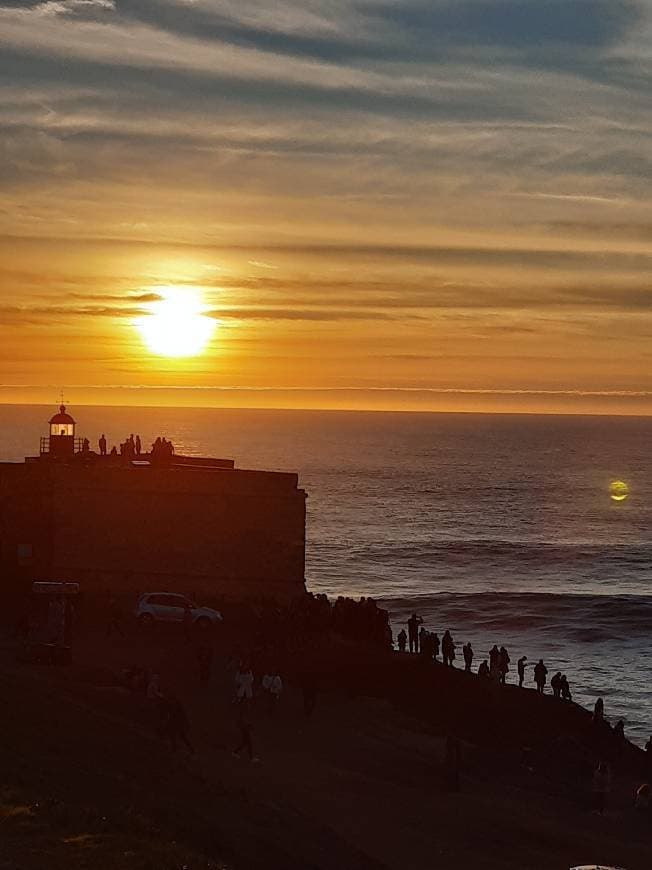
[[377, 177]]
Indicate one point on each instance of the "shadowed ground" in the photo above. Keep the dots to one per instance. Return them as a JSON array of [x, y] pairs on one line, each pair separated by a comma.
[[359, 785]]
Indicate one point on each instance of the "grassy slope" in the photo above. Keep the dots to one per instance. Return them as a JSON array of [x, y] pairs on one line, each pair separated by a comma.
[[359, 787]]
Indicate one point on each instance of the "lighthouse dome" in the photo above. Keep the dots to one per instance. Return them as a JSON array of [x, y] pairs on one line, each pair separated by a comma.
[[62, 417]]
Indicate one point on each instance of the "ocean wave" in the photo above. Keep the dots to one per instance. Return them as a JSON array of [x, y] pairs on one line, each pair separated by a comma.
[[585, 618], [539, 551]]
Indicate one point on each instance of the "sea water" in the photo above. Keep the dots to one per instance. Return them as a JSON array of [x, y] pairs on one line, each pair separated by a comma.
[[500, 528]]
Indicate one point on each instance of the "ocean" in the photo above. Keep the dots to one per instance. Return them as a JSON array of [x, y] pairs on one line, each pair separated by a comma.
[[498, 527]]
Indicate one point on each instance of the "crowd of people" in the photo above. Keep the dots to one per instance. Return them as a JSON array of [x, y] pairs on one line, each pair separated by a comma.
[[132, 448], [257, 690], [420, 641], [248, 695], [310, 616]]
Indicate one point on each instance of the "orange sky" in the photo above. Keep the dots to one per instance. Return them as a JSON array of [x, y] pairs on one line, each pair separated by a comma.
[[371, 223]]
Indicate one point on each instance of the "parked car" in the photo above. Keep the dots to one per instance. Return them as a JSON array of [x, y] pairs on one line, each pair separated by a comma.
[[171, 607]]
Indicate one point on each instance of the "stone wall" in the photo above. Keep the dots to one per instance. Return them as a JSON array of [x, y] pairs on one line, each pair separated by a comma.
[[233, 533]]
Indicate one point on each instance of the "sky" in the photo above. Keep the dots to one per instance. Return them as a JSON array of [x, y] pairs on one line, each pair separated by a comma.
[[402, 204]]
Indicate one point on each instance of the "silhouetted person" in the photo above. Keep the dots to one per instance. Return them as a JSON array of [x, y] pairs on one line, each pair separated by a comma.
[[648, 746], [138, 445], [540, 674], [401, 639], [598, 712], [619, 731], [244, 729], [273, 688], [503, 664], [102, 445], [413, 624], [564, 688], [205, 661], [601, 786], [467, 651], [114, 451], [494, 658], [423, 641], [116, 618], [244, 684], [448, 648], [176, 724], [483, 670], [520, 667], [555, 684], [436, 645]]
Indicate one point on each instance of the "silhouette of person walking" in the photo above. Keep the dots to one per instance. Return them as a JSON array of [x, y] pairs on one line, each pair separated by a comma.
[[245, 728], [436, 645], [564, 688], [102, 444], [413, 624], [494, 662], [503, 664], [467, 650], [401, 639], [448, 649], [598, 712], [483, 670], [520, 667], [540, 674], [138, 445], [555, 684]]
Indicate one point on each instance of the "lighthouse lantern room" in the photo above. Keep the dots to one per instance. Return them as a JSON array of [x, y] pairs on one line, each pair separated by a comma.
[[61, 441]]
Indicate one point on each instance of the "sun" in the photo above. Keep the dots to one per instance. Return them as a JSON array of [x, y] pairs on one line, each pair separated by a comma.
[[176, 325], [618, 490]]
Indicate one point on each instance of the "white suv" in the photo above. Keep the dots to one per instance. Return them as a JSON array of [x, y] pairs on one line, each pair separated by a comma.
[[170, 607]]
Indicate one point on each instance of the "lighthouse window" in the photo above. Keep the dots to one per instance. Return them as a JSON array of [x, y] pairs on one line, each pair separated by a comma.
[[61, 429]]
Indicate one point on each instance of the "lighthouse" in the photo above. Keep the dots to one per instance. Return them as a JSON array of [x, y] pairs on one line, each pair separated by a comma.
[[61, 441]]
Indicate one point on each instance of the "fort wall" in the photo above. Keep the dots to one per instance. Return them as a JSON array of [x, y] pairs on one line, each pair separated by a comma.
[[203, 529]]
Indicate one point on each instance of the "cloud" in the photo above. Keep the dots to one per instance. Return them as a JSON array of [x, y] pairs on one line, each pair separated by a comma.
[[83, 9], [474, 174]]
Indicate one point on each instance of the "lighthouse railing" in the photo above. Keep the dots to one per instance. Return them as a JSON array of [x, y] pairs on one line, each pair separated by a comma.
[[78, 444]]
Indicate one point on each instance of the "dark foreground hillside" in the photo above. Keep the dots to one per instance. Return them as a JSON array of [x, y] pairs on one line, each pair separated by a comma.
[[360, 785]]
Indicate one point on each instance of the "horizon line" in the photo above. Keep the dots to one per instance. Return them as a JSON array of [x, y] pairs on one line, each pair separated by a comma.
[[476, 412]]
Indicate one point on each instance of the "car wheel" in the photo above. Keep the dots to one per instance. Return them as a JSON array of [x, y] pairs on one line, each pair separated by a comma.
[[145, 619], [203, 623]]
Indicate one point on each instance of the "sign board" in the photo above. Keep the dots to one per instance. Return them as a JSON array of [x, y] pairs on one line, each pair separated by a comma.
[[55, 587]]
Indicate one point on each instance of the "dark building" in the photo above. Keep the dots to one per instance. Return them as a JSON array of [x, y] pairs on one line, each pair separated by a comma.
[[149, 522]]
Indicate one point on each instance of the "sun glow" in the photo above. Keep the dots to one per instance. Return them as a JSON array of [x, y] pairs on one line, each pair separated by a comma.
[[618, 490], [176, 325]]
